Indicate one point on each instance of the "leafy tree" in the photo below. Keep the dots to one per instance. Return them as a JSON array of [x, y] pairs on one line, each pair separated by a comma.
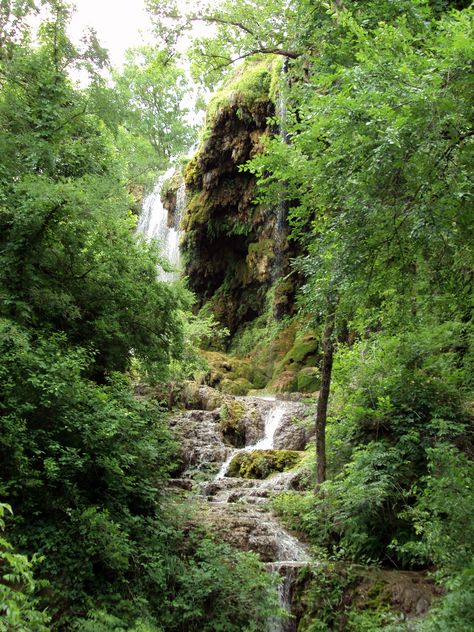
[[151, 91], [381, 145], [70, 261], [235, 31], [18, 603]]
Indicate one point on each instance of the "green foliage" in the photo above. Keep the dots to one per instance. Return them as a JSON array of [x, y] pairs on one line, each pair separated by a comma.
[[200, 331], [409, 384], [69, 259], [18, 588], [149, 93], [455, 610], [397, 402], [222, 590], [442, 515], [259, 333], [241, 30], [320, 596], [83, 463]]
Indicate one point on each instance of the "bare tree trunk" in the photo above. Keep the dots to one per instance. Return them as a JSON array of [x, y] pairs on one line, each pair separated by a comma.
[[321, 411]]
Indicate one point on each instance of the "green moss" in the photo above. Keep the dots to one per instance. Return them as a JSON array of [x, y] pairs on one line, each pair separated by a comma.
[[232, 369], [192, 173], [261, 463], [262, 247], [276, 79], [231, 415], [302, 348], [196, 212], [249, 372], [251, 83], [239, 386], [304, 352], [308, 380], [282, 298]]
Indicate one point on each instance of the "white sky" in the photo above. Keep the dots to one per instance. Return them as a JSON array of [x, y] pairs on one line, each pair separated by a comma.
[[120, 24]]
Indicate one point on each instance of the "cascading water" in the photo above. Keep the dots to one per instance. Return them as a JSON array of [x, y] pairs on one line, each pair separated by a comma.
[[154, 224], [271, 424], [289, 552], [237, 508]]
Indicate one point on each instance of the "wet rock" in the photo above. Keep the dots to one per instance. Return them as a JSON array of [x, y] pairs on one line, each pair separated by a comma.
[[294, 431], [243, 420], [252, 491], [200, 438], [252, 528]]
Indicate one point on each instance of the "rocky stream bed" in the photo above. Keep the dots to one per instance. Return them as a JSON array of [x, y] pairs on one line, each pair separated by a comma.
[[237, 508]]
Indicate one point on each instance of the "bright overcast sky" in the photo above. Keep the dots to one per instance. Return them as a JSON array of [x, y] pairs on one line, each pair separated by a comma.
[[120, 24]]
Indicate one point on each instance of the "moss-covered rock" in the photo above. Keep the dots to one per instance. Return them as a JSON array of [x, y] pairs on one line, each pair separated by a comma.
[[235, 376], [308, 380], [229, 242], [288, 373], [239, 386], [261, 463], [303, 350], [232, 422]]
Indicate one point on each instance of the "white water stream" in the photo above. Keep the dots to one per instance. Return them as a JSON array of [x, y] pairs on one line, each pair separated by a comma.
[[272, 422], [154, 224]]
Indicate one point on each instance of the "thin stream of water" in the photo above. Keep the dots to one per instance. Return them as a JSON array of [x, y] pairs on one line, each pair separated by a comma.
[[272, 422], [153, 223]]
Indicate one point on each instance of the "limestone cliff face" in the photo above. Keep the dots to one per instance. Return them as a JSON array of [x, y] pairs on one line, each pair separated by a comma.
[[229, 241]]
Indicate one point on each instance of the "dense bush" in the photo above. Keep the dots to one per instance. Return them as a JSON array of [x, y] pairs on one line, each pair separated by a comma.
[[400, 490], [18, 588]]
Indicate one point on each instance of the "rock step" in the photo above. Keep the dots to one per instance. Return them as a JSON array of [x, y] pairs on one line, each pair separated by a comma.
[[252, 528]]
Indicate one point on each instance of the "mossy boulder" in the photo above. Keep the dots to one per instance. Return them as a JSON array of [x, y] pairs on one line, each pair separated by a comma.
[[287, 373], [239, 386], [304, 348], [235, 376], [249, 372], [261, 463], [308, 380]]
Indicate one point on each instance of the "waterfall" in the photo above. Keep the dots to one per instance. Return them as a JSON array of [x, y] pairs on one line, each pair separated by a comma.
[[272, 422], [287, 572], [154, 222]]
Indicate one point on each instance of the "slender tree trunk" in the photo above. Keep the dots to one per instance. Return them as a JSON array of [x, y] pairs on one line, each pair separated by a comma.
[[321, 411]]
